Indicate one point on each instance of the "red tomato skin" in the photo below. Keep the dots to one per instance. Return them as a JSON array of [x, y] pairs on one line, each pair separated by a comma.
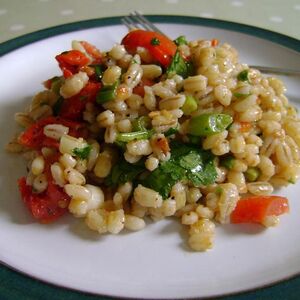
[[256, 208], [162, 53], [71, 61], [139, 89], [44, 206], [72, 108], [93, 52], [33, 137]]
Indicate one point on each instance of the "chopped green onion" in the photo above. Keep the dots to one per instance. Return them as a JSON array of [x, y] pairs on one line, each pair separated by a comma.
[[107, 93], [240, 95], [135, 135], [181, 40], [155, 41], [252, 174], [243, 76], [209, 124], [189, 105], [99, 70], [141, 123], [228, 162]]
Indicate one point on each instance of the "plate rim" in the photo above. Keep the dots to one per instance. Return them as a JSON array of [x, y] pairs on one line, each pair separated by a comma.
[[291, 283], [26, 39]]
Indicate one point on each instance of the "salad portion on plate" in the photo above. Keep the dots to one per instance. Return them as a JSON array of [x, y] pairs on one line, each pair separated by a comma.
[[154, 128]]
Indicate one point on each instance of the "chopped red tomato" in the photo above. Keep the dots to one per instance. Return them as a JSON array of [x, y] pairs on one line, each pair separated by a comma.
[[139, 89], [161, 48], [92, 51], [34, 136], [214, 42], [245, 126], [47, 206], [72, 108], [256, 208], [163, 144], [71, 61]]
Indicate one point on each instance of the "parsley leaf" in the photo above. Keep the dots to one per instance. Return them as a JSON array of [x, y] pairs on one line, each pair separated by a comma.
[[243, 76], [155, 41], [179, 66], [82, 153], [187, 162], [123, 172], [181, 40]]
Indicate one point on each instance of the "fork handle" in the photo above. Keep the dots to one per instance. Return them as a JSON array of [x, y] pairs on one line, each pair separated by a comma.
[[272, 70]]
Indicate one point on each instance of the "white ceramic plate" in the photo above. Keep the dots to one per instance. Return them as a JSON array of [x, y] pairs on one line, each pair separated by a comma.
[[155, 262]]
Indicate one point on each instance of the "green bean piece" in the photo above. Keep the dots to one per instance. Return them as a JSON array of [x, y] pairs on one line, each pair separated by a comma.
[[209, 124], [252, 174], [189, 105]]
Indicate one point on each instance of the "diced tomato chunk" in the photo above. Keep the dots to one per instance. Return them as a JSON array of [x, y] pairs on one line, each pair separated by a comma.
[[139, 89], [71, 61], [72, 108], [92, 51], [34, 136], [256, 208], [161, 48]]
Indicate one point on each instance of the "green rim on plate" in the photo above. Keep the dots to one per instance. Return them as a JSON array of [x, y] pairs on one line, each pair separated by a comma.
[[14, 285]]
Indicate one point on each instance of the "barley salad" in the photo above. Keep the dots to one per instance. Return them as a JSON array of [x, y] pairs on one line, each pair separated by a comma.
[[155, 128]]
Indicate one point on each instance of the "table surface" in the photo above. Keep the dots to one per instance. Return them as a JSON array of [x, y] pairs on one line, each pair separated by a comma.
[[19, 17]]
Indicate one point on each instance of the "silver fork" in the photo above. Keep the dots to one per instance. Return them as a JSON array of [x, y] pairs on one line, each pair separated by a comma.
[[136, 20]]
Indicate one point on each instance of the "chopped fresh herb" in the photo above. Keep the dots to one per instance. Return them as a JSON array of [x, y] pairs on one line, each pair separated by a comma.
[[193, 139], [179, 66], [252, 174], [134, 61], [228, 162], [155, 41], [209, 124], [124, 171], [82, 153], [141, 123], [292, 180], [187, 162], [243, 76], [240, 95], [57, 106], [135, 135], [99, 70], [181, 40], [107, 93], [171, 131], [189, 105]]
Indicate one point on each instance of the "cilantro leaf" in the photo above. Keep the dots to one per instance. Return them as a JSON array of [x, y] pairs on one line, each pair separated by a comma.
[[82, 153]]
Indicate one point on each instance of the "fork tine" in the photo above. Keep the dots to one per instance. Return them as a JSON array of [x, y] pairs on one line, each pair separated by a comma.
[[144, 22], [130, 23]]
